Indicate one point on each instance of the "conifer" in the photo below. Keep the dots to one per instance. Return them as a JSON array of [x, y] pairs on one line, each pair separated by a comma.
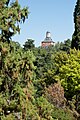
[[76, 34]]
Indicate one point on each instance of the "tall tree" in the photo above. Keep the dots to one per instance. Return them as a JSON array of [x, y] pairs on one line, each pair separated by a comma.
[[11, 14], [76, 35]]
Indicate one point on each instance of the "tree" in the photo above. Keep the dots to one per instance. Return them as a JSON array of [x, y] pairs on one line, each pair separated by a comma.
[[62, 46], [68, 72], [55, 95], [29, 44], [16, 75], [11, 14], [66, 45], [76, 35]]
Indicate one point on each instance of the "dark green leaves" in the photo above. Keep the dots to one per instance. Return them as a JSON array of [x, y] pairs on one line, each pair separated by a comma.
[[76, 35]]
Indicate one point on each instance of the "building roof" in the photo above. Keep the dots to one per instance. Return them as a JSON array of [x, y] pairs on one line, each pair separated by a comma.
[[47, 39]]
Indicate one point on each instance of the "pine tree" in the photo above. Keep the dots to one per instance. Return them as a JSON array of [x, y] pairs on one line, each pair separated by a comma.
[[11, 15], [76, 34]]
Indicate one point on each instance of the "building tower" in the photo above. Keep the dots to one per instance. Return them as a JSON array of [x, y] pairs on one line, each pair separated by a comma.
[[47, 41]]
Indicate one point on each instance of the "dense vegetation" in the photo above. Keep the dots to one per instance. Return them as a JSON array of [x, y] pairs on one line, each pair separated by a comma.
[[36, 83], [76, 35]]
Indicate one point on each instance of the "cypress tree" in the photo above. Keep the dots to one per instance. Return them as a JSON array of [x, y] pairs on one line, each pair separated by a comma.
[[76, 34]]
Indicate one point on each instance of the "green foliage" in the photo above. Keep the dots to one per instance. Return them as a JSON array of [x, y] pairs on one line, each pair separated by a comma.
[[62, 114], [43, 61], [31, 78], [11, 14], [21, 88], [62, 46], [66, 45], [76, 35], [29, 44], [16, 71], [68, 70], [45, 109]]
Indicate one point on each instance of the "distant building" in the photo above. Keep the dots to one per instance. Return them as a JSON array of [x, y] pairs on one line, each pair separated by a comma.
[[47, 41]]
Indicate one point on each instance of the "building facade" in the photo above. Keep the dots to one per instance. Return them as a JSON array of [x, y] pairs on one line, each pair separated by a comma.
[[47, 41]]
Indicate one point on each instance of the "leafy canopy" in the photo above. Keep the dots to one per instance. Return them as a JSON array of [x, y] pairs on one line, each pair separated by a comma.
[[68, 71]]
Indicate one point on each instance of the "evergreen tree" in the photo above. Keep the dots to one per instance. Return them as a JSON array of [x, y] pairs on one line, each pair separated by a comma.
[[76, 35], [11, 14]]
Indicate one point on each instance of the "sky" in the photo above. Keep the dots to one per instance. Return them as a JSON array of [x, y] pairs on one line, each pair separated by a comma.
[[55, 16]]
